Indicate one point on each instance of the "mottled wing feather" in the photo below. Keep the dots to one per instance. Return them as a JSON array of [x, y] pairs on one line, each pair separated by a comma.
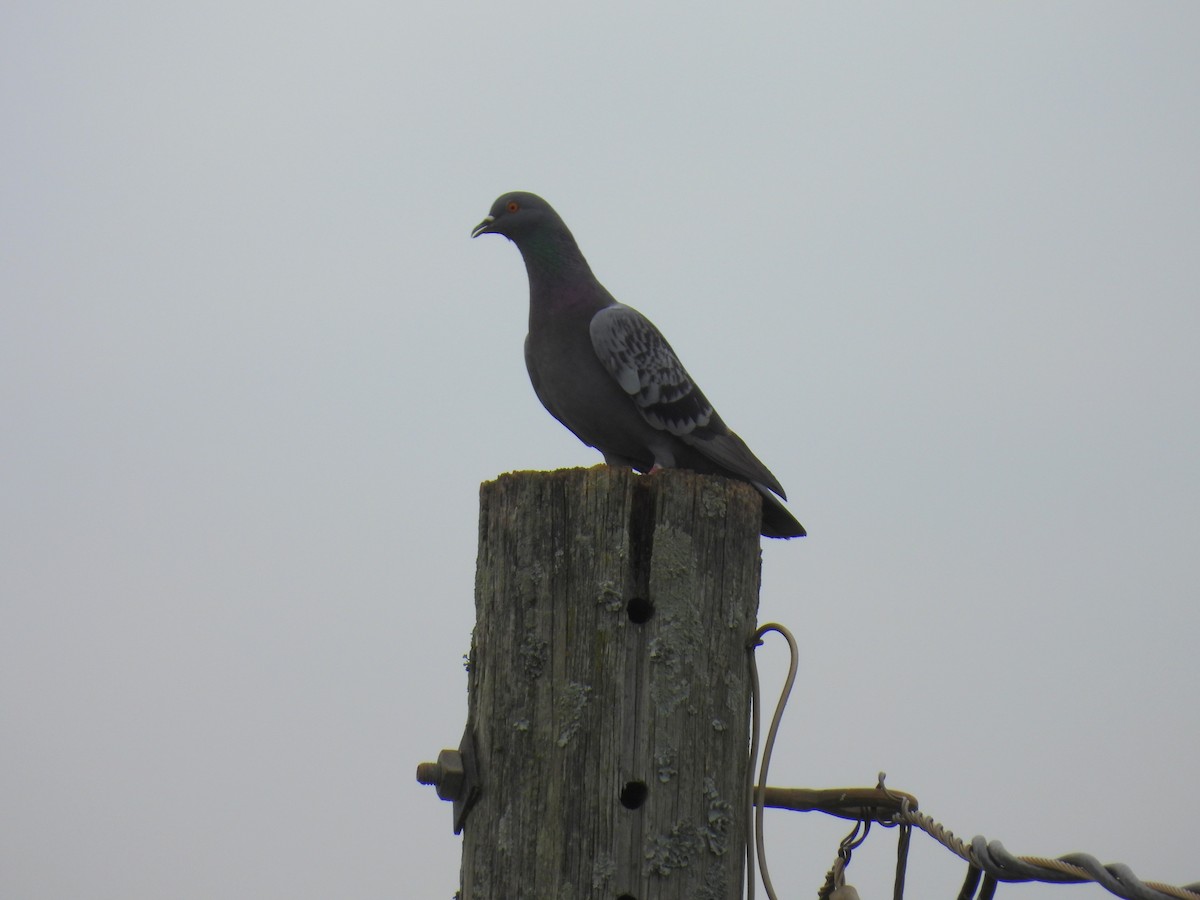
[[637, 355]]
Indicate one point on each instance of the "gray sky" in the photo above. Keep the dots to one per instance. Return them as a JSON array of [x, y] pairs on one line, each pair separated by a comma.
[[936, 263]]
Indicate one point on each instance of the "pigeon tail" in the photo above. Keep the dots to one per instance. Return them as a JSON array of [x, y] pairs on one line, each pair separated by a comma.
[[777, 522]]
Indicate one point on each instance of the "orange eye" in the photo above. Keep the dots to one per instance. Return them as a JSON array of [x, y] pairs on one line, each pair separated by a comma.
[[513, 205]]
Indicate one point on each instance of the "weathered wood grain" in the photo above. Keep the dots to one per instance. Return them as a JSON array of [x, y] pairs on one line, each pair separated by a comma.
[[608, 670]]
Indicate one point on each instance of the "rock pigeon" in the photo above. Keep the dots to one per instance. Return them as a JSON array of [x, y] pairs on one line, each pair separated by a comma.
[[605, 372]]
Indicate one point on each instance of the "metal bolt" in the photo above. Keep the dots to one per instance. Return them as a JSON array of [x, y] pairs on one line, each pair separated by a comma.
[[447, 774], [456, 777], [429, 773]]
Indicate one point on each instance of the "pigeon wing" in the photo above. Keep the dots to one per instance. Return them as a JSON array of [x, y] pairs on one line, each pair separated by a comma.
[[637, 355]]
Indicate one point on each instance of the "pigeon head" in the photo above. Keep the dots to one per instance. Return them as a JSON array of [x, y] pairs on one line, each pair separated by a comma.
[[545, 242], [520, 216]]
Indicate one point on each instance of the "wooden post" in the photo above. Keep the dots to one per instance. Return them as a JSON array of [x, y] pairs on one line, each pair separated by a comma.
[[608, 686]]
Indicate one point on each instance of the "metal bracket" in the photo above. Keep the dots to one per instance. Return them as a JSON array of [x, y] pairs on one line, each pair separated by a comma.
[[866, 804]]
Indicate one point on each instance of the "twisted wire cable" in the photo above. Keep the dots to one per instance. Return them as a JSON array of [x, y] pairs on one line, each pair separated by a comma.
[[989, 863], [992, 860]]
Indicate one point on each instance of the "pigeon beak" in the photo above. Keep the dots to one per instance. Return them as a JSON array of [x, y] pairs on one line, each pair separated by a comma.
[[483, 227]]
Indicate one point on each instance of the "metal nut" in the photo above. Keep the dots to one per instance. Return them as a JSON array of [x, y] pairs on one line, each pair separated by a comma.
[[447, 774]]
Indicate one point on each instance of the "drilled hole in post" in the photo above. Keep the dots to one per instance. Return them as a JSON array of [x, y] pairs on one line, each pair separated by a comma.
[[640, 610], [633, 795], [627, 897]]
